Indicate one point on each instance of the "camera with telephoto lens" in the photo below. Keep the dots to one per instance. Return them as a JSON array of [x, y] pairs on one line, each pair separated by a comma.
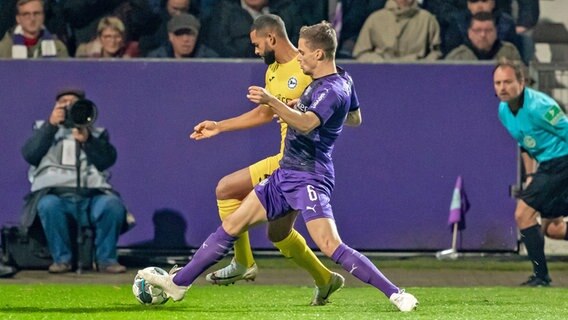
[[80, 114]]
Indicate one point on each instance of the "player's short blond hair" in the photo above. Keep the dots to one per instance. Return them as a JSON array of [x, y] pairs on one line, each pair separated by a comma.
[[320, 36]]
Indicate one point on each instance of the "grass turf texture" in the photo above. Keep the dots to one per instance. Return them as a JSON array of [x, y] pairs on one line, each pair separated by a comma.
[[49, 300], [58, 301]]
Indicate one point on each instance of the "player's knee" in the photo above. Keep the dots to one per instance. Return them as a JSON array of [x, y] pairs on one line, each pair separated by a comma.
[[556, 230], [231, 187], [524, 219], [231, 227], [328, 246], [222, 190]]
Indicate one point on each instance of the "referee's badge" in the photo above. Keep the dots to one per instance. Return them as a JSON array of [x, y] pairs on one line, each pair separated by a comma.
[[529, 142], [292, 82], [553, 115]]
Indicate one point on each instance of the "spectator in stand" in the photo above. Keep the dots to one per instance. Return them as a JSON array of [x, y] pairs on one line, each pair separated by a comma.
[[444, 10], [159, 36], [346, 17], [55, 22], [206, 8], [526, 19], [482, 42], [228, 27], [7, 14], [183, 35], [456, 34], [29, 38], [109, 43], [84, 16], [400, 32]]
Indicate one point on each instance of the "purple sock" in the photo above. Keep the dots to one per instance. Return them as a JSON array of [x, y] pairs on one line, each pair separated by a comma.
[[217, 245], [362, 268]]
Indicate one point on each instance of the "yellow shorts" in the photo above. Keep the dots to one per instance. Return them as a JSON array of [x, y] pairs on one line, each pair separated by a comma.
[[264, 168]]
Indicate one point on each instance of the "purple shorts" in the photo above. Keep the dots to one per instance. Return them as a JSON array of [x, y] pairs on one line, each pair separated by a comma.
[[289, 190]]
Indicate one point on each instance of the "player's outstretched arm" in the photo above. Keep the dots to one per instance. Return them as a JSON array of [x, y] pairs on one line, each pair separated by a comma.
[[303, 122], [253, 118]]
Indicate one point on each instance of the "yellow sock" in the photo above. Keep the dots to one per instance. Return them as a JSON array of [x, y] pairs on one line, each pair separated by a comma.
[[243, 252], [295, 248]]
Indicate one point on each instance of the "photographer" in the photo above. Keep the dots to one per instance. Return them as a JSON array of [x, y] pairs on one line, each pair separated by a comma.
[[53, 152]]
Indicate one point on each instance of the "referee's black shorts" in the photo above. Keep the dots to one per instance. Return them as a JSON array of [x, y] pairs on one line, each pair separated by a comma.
[[548, 191]]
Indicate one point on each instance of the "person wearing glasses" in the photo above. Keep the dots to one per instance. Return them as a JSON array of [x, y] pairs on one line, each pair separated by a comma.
[[457, 31], [29, 38], [482, 42]]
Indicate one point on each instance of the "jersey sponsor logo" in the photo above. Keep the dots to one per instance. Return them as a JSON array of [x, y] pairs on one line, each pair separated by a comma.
[[292, 82], [320, 98], [301, 107], [553, 115], [271, 78], [311, 208], [284, 99], [529, 142]]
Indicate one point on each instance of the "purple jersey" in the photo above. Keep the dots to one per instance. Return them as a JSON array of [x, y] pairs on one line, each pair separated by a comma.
[[330, 98]]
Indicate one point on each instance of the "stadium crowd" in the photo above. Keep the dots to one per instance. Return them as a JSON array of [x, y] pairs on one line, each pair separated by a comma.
[[368, 30]]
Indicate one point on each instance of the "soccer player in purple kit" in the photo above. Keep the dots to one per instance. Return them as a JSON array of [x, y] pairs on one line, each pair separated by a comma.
[[304, 182]]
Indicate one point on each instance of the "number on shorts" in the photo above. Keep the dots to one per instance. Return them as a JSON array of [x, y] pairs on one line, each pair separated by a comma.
[[312, 194]]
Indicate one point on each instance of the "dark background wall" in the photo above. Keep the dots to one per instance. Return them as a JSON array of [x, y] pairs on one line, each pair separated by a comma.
[[423, 125]]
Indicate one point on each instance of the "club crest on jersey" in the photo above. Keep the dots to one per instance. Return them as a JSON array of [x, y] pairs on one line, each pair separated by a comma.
[[292, 82], [529, 142]]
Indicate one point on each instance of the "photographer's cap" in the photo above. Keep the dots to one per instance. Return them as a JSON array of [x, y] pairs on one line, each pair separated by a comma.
[[184, 21], [79, 93]]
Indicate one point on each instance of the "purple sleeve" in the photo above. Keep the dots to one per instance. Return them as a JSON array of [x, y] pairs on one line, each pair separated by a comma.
[[324, 103], [354, 99]]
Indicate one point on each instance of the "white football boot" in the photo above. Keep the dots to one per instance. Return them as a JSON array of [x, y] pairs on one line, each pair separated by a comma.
[[166, 283], [232, 273], [404, 301], [322, 294]]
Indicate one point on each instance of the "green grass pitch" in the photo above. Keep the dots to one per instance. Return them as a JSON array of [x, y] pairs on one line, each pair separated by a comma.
[[58, 301], [63, 301]]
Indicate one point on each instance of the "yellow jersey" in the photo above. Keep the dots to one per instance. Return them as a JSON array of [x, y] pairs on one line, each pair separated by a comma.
[[286, 82]]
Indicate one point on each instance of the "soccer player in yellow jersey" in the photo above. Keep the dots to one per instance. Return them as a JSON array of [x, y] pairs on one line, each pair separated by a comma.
[[285, 80]]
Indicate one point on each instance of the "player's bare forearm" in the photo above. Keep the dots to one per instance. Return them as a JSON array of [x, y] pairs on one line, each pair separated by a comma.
[[303, 122], [253, 118], [353, 118], [256, 117]]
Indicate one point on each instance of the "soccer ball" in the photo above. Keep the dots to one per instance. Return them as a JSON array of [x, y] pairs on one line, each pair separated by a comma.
[[146, 293]]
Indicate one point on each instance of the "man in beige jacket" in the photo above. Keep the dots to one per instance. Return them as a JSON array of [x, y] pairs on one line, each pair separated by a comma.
[[402, 31]]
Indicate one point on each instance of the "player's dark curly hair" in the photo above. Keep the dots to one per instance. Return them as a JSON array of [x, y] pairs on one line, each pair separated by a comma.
[[270, 23]]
